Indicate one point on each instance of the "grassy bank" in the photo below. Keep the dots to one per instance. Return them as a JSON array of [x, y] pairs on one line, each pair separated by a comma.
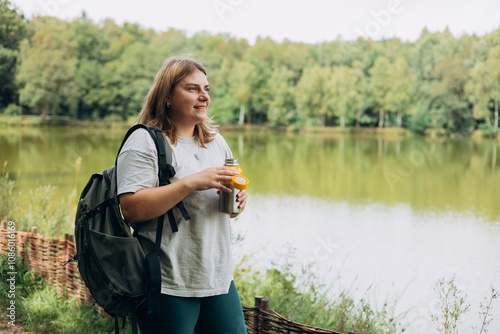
[[39, 308], [308, 302], [37, 121]]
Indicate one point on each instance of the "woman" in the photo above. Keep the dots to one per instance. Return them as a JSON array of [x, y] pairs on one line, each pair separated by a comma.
[[198, 291]]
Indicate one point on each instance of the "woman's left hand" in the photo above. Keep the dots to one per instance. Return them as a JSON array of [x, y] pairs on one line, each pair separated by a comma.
[[241, 197]]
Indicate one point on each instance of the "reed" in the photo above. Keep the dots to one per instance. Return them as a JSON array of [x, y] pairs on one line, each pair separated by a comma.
[[485, 310]]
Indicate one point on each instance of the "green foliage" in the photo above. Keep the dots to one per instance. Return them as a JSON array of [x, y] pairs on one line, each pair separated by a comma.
[[85, 70], [311, 303], [48, 71], [399, 95], [313, 96], [46, 311], [282, 110], [8, 198], [26, 282], [39, 208], [11, 110], [12, 32], [419, 122], [449, 108], [489, 131], [380, 86], [50, 216], [41, 309]]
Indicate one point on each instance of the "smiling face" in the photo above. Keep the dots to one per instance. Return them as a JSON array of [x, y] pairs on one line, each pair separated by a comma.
[[189, 102]]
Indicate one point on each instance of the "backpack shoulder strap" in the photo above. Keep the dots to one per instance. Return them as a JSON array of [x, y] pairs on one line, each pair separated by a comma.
[[164, 151], [129, 132], [167, 171]]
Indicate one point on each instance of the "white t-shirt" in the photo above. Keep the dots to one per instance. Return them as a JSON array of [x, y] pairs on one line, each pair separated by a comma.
[[197, 260]]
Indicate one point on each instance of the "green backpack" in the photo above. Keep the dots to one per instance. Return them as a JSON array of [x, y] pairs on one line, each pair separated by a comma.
[[112, 263]]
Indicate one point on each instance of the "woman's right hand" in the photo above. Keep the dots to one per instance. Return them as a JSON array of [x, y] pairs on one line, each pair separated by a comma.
[[212, 178]]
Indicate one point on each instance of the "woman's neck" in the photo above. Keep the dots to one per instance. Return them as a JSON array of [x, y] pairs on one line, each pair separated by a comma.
[[185, 131]]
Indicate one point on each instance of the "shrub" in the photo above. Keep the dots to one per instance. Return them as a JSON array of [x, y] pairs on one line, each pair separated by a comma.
[[489, 131]]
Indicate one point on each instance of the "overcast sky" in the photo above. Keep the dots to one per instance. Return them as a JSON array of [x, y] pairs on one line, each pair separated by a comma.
[[308, 21]]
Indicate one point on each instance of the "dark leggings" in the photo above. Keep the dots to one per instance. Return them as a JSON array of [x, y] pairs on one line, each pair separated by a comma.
[[219, 314]]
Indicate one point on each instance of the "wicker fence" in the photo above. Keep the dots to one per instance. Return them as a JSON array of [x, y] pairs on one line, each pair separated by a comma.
[[46, 256]]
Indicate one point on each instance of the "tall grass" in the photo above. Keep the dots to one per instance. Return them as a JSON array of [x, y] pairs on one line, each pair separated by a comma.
[[311, 303], [41, 309], [46, 311], [39, 207], [8, 198]]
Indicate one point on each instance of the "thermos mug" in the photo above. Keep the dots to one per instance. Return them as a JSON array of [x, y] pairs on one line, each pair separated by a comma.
[[227, 201]]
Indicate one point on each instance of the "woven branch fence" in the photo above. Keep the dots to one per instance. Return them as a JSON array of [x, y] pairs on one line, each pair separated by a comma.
[[46, 257]]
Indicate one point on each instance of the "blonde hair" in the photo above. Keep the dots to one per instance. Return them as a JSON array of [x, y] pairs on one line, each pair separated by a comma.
[[154, 111]]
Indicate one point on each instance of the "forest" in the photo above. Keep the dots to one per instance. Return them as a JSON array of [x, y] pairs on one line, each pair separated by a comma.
[[85, 70]]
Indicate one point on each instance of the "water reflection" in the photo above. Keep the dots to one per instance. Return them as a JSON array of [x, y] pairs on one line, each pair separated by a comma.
[[437, 174], [441, 174], [493, 159]]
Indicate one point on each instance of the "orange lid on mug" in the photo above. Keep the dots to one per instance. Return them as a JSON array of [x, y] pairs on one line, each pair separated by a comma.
[[239, 182]]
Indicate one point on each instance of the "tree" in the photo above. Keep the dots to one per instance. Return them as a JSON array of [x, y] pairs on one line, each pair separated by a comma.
[[449, 108], [103, 70], [263, 56], [479, 90], [311, 95], [282, 107], [242, 82], [12, 32], [126, 80], [90, 44], [361, 93], [399, 94], [343, 92], [493, 61], [48, 71], [380, 86]]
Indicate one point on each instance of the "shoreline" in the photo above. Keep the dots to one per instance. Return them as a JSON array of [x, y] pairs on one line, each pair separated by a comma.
[[392, 132]]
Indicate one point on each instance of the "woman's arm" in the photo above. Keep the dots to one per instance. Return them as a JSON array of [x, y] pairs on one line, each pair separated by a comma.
[[151, 203]]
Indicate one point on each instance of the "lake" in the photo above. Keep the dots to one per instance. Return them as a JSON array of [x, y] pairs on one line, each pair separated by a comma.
[[383, 216]]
